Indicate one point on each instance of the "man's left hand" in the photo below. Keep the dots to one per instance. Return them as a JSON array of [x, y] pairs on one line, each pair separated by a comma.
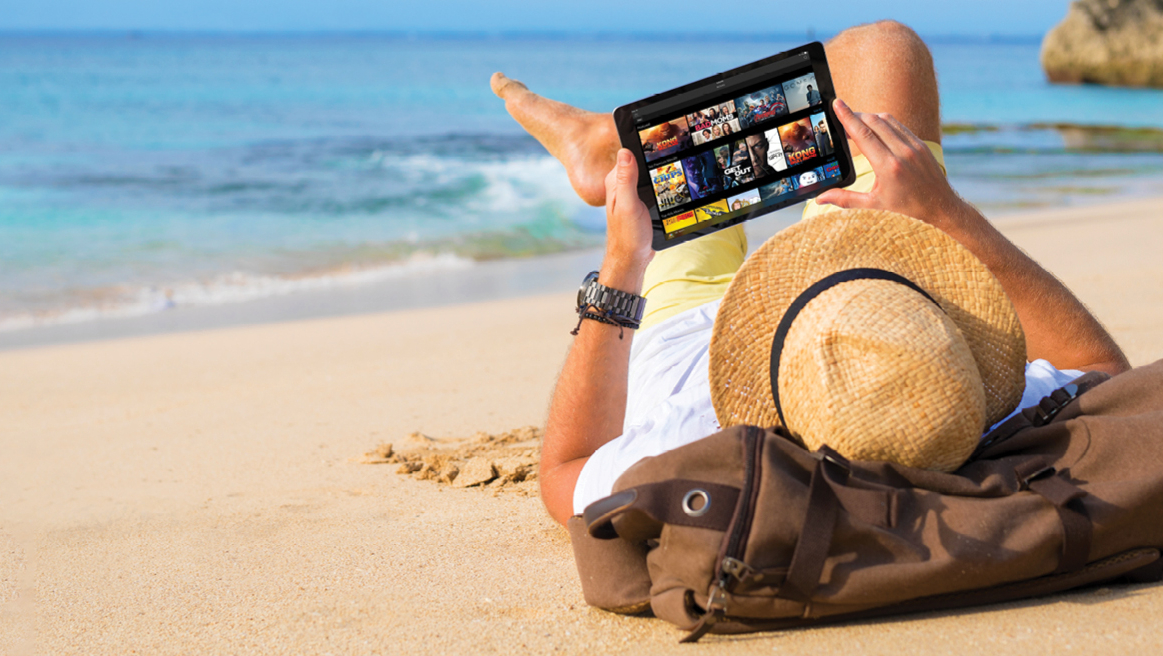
[[629, 234], [909, 180]]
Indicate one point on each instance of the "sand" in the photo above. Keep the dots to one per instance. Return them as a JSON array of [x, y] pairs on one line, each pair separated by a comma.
[[205, 492]]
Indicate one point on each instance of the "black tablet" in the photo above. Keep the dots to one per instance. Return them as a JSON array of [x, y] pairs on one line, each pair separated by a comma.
[[736, 145]]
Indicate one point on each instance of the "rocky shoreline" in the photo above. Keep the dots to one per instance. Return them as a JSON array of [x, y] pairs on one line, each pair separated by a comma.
[[1110, 42]]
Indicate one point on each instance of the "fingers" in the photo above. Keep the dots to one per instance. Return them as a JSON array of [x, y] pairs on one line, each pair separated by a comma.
[[627, 170], [877, 135], [899, 139], [629, 234], [861, 133], [903, 132], [622, 180], [845, 199], [890, 132]]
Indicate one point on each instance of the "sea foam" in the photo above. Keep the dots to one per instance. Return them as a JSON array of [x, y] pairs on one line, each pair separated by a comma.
[[234, 287]]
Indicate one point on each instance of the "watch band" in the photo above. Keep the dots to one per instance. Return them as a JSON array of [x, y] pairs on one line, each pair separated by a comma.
[[607, 305], [620, 304]]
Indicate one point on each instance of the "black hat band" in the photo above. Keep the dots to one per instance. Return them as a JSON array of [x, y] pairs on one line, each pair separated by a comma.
[[806, 297]]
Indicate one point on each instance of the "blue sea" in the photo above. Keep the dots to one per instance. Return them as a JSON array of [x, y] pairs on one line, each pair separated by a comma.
[[143, 172]]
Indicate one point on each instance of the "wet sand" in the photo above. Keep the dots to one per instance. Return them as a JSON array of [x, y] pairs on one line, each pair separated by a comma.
[[202, 492]]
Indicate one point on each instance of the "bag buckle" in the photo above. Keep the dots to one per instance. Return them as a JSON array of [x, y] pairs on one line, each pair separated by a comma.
[[1049, 407], [827, 454], [1037, 475]]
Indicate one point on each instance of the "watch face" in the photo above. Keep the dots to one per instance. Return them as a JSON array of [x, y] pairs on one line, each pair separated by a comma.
[[591, 277]]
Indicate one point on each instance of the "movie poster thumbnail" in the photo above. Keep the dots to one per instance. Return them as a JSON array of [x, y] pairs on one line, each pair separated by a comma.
[[759, 106], [775, 157], [802, 92], [678, 222], [809, 178], [735, 164], [760, 148], [779, 190], [832, 170], [665, 139], [743, 200], [799, 141], [713, 122], [823, 135], [703, 177], [669, 186], [711, 212]]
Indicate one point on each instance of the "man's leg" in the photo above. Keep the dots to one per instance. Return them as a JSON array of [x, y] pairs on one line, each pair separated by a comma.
[[584, 142], [885, 68], [882, 67]]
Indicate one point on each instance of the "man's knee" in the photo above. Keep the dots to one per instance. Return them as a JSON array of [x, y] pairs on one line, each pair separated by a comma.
[[886, 67], [890, 34], [890, 29]]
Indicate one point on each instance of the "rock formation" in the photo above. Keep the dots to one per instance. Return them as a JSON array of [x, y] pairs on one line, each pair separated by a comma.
[[1113, 42]]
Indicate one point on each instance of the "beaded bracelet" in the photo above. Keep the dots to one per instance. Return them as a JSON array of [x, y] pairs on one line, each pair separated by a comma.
[[596, 313]]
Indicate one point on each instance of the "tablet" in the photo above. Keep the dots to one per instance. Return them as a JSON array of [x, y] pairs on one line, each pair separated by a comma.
[[737, 145]]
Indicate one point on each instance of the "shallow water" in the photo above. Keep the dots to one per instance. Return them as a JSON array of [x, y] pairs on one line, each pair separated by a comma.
[[144, 173]]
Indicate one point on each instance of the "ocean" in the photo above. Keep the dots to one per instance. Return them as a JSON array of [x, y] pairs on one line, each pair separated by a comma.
[[145, 172]]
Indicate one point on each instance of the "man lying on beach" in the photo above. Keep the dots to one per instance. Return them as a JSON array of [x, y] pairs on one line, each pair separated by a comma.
[[613, 405]]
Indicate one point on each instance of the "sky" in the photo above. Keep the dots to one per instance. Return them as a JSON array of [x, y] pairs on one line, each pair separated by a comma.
[[979, 17]]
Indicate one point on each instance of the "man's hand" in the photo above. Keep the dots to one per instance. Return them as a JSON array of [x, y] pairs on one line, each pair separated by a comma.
[[909, 180], [629, 234]]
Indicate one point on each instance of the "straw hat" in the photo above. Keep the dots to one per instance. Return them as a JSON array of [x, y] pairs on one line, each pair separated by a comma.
[[897, 345]]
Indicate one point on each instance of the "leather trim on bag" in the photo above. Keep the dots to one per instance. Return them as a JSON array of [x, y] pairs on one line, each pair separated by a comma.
[[639, 513]]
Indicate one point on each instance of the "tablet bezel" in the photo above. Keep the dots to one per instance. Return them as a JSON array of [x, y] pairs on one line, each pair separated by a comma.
[[628, 132]]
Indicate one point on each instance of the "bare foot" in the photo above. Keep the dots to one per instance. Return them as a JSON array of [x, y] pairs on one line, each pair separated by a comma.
[[585, 142]]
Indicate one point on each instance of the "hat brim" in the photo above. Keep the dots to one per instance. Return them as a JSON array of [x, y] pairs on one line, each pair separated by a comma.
[[791, 261]]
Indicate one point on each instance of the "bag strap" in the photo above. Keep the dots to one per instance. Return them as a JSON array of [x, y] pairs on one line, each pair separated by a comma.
[[1077, 528], [819, 523], [1042, 413], [639, 513], [815, 540], [816, 528]]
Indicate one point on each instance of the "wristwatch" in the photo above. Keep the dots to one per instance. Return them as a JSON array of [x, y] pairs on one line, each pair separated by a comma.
[[623, 308]]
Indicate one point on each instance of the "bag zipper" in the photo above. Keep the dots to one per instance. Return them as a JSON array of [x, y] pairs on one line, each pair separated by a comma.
[[731, 564], [731, 558]]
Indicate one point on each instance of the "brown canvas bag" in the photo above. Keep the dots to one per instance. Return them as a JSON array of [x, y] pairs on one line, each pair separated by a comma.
[[747, 531]]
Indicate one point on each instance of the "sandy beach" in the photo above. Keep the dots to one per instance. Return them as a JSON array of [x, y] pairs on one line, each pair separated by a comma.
[[202, 492]]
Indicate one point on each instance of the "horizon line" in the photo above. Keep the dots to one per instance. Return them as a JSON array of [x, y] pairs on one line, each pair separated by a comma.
[[810, 34]]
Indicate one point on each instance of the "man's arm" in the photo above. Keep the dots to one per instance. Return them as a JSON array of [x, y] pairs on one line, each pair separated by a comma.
[[1058, 326], [589, 402]]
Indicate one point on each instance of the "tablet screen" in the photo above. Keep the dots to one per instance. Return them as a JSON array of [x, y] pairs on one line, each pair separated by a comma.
[[736, 145]]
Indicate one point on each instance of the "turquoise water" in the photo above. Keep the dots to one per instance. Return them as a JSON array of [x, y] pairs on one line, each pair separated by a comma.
[[142, 173]]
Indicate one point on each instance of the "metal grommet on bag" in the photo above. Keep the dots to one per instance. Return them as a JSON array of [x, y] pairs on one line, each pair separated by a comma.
[[689, 499]]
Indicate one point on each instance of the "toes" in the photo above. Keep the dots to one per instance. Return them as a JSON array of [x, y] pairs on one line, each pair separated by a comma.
[[502, 85], [498, 82]]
